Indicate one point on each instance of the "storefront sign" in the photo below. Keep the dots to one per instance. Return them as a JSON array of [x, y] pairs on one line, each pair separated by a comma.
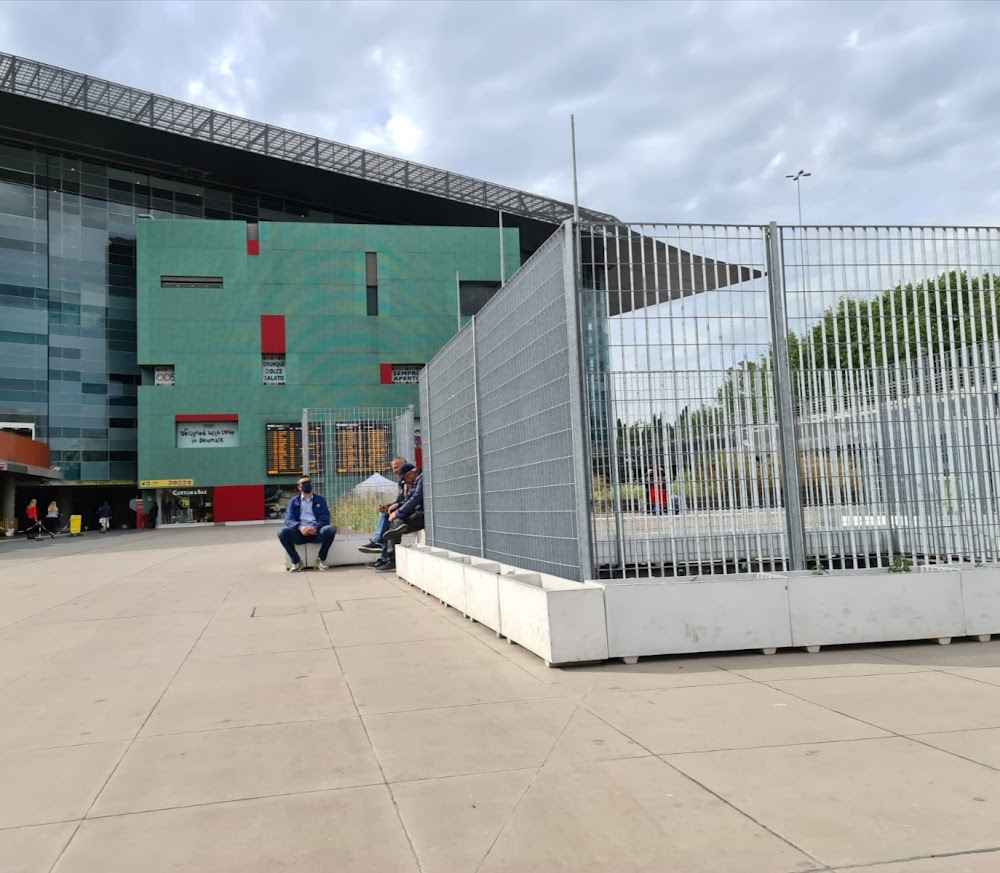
[[274, 369], [164, 483], [165, 375], [207, 435]]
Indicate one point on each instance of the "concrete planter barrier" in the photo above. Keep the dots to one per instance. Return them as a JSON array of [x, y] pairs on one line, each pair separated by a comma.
[[713, 614], [451, 580], [981, 600], [873, 606], [562, 622], [482, 592], [422, 568]]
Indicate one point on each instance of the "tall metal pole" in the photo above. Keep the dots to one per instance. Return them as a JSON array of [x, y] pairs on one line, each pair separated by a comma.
[[785, 408], [797, 179], [305, 441], [503, 269], [576, 193]]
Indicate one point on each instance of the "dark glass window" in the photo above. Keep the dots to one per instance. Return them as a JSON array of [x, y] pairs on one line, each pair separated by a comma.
[[473, 296]]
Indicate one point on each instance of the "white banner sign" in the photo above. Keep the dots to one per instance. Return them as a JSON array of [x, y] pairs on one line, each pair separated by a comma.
[[274, 369], [164, 376], [207, 434]]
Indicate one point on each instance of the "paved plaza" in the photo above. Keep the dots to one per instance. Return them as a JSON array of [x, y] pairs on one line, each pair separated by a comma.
[[172, 700]]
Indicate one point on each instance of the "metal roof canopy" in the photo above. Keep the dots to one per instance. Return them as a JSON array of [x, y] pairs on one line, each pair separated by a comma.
[[65, 88]]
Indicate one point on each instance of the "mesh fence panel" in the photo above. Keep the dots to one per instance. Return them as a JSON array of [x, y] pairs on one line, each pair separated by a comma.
[[350, 452], [451, 449], [500, 447], [527, 441]]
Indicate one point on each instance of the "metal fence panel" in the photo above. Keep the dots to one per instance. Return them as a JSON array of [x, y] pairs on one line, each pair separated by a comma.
[[893, 346], [349, 455], [525, 400], [680, 391], [451, 453]]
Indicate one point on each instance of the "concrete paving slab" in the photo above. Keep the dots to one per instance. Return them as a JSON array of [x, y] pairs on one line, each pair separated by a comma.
[[242, 763], [33, 849], [985, 862], [418, 688], [982, 746], [633, 816], [910, 703], [247, 624], [721, 717], [54, 785], [388, 659], [858, 802], [347, 831], [826, 663], [467, 739], [250, 690], [261, 643], [587, 738], [454, 821], [361, 628], [960, 653]]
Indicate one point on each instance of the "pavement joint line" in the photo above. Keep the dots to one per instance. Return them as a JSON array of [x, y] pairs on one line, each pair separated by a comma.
[[957, 854], [248, 799], [131, 742], [714, 794], [371, 746]]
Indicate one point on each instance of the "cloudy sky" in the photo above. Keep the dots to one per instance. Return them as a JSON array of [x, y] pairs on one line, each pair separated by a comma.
[[685, 111]]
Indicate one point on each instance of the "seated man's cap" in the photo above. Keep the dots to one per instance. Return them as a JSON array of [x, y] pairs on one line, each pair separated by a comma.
[[405, 469]]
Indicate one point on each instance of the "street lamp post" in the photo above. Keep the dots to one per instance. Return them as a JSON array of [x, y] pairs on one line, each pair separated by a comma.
[[797, 179]]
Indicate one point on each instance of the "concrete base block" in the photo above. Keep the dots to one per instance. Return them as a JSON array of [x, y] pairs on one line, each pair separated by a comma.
[[560, 621], [482, 592], [984, 638], [714, 615], [812, 650], [873, 606], [769, 651], [631, 660], [981, 599]]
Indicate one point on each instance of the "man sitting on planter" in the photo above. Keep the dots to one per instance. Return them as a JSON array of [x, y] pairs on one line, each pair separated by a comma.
[[409, 518], [307, 520]]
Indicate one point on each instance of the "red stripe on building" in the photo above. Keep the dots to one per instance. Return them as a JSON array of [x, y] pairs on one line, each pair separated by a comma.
[[213, 416], [239, 502], [272, 334], [253, 246], [385, 374]]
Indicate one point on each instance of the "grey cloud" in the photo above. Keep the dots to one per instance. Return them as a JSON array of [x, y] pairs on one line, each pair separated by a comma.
[[680, 108]]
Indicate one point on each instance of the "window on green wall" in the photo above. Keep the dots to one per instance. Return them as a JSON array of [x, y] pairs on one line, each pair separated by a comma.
[[473, 296], [371, 281], [190, 281]]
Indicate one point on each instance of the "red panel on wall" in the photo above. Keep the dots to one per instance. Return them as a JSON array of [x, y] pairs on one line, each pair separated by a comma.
[[253, 238], [385, 374], [239, 503], [208, 416], [272, 334]]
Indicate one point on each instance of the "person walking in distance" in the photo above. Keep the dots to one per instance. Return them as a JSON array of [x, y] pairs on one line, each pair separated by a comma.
[[154, 512], [104, 514], [52, 518]]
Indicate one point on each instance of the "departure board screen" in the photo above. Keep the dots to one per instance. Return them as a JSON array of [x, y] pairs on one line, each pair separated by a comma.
[[284, 449], [362, 447]]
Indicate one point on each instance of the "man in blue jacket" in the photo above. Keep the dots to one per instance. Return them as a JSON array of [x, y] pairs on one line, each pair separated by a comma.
[[307, 520], [408, 518]]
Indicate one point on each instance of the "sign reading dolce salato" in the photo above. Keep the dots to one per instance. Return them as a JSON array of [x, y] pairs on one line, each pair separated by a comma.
[[274, 369]]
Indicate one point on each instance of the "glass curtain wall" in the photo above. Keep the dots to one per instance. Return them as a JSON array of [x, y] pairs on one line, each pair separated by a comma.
[[67, 296]]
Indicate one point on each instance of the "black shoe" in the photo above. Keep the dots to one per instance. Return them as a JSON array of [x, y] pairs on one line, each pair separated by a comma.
[[376, 564], [371, 548], [387, 567]]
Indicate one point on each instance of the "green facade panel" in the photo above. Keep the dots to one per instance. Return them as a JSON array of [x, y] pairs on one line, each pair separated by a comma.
[[315, 277]]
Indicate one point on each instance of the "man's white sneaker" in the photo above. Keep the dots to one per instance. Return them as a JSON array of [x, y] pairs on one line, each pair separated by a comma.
[[295, 568], [321, 565]]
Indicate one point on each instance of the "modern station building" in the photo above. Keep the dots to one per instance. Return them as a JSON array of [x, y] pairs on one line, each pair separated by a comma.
[[88, 168]]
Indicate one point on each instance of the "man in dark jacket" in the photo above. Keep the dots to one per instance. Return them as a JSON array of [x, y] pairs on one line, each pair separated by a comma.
[[307, 520], [408, 518]]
